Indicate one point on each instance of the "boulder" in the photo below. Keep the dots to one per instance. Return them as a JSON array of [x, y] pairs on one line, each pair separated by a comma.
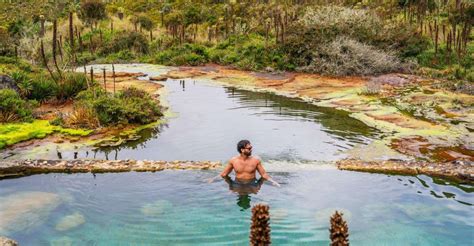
[[7, 83]]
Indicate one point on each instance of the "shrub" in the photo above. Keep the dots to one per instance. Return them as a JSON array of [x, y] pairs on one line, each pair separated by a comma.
[[23, 83], [43, 87], [134, 41], [345, 56], [187, 54], [330, 21], [13, 107], [71, 85], [138, 106], [131, 106]]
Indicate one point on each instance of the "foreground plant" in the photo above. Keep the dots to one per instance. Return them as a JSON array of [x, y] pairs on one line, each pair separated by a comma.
[[260, 228], [339, 232]]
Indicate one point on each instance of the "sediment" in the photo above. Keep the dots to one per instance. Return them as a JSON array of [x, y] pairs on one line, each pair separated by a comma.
[[460, 171], [14, 169]]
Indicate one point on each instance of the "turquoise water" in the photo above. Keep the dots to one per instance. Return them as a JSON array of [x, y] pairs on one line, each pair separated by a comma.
[[295, 140], [178, 208]]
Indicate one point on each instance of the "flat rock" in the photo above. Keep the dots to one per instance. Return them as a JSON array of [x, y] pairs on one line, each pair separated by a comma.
[[7, 242]]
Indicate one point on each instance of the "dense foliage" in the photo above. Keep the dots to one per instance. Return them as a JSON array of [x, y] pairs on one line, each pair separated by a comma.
[[13, 107], [130, 106], [343, 37]]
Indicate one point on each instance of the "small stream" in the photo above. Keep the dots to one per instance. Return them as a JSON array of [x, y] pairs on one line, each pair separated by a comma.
[[294, 139]]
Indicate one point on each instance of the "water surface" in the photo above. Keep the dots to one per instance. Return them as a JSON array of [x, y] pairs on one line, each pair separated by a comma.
[[295, 140]]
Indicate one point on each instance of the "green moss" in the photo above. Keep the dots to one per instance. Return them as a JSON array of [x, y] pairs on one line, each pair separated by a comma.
[[13, 133]]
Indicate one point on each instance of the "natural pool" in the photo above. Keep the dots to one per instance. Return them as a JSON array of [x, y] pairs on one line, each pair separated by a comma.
[[295, 141]]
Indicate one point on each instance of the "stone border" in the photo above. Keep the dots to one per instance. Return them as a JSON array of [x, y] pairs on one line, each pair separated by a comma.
[[22, 168], [459, 171], [7, 242]]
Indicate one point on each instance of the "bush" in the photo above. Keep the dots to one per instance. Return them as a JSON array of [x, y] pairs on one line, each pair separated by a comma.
[[71, 85], [345, 56], [328, 22], [133, 41], [349, 32], [43, 87], [131, 106], [22, 82], [187, 54], [13, 107]]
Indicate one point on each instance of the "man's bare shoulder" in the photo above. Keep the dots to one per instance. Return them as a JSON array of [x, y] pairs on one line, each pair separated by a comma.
[[234, 159]]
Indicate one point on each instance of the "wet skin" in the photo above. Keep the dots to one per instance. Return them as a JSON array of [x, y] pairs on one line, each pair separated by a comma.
[[245, 166]]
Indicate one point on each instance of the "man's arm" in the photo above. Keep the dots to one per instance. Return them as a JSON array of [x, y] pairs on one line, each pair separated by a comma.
[[227, 169], [265, 175], [223, 174]]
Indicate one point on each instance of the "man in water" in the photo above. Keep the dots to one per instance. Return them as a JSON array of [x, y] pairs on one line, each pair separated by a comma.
[[245, 165]]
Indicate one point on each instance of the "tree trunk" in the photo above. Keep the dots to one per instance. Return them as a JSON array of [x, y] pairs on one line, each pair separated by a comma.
[[45, 61], [54, 43]]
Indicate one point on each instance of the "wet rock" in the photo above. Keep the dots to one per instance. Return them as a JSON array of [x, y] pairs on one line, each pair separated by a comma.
[[7, 242], [23, 168], [449, 170], [24, 210], [70, 221], [158, 78]]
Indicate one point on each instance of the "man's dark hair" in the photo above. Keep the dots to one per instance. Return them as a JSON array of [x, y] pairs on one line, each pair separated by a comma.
[[241, 144]]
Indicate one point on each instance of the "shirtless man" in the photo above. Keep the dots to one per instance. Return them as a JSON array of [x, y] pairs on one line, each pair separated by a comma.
[[245, 165]]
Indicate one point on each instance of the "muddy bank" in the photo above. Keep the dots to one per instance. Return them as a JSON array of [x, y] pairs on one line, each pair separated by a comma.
[[460, 171], [13, 169]]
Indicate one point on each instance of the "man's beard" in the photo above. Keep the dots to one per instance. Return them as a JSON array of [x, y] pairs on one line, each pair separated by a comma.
[[248, 154]]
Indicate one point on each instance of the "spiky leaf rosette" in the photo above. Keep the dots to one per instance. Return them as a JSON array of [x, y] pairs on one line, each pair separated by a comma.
[[339, 232], [260, 228]]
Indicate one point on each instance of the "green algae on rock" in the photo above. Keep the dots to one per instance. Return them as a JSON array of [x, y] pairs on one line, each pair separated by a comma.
[[13, 133]]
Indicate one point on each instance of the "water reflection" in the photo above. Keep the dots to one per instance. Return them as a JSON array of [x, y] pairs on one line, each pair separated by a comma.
[[243, 189], [335, 122]]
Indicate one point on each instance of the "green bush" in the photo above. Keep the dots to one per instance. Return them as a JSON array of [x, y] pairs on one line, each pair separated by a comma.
[[43, 87], [13, 107], [22, 82], [85, 58], [187, 54], [133, 41], [132, 106], [71, 85]]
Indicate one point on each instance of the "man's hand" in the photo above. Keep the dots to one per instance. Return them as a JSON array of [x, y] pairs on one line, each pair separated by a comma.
[[210, 180], [274, 182]]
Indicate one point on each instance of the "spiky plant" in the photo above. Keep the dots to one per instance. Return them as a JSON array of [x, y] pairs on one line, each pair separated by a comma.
[[260, 228], [339, 232]]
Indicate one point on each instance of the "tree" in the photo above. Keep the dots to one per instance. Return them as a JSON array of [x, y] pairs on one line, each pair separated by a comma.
[[92, 11], [147, 24]]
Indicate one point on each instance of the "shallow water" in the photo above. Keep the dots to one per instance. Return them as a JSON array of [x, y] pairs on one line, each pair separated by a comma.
[[295, 141], [177, 207]]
